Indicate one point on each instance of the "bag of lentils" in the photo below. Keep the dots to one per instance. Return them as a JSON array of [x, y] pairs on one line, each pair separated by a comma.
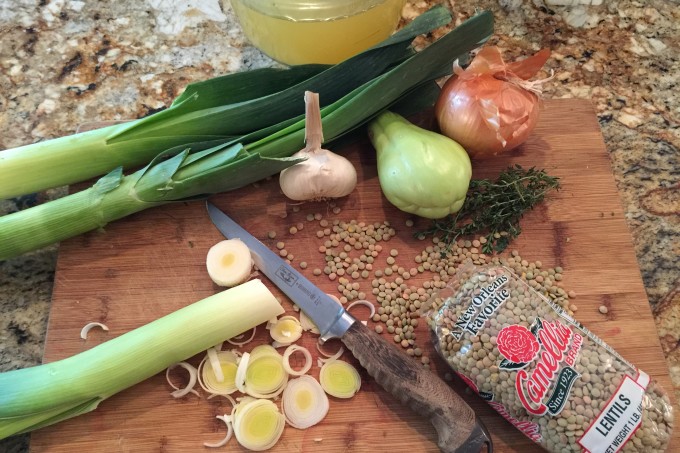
[[544, 372]]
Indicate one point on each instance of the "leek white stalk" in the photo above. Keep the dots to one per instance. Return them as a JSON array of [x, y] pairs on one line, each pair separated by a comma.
[[43, 395]]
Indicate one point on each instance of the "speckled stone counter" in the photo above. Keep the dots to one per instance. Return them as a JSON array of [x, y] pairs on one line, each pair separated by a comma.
[[65, 62]]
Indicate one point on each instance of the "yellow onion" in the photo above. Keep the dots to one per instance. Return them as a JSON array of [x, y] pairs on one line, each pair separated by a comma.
[[491, 107]]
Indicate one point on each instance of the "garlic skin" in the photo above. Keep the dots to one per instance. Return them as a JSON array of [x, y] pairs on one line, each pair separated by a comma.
[[323, 174]]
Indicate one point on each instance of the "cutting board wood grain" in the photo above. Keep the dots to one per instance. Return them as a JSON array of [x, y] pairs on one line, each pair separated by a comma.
[[152, 263]]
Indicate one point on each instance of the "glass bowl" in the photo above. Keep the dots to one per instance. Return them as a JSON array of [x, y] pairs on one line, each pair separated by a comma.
[[297, 32]]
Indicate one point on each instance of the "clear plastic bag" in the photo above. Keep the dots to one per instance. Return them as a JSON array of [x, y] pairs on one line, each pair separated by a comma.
[[539, 368]]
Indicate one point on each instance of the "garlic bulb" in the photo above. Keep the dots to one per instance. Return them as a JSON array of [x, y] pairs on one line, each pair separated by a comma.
[[323, 174]]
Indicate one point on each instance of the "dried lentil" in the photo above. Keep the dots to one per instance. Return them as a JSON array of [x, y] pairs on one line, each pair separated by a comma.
[[488, 354]]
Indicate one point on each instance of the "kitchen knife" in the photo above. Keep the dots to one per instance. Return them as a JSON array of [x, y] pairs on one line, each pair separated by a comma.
[[458, 429]]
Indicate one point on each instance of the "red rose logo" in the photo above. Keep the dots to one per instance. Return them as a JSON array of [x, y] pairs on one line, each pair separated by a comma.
[[517, 344]]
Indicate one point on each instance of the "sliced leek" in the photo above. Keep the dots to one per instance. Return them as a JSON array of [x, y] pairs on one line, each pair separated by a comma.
[[265, 376], [227, 421], [240, 337], [43, 395], [231, 400], [329, 356], [285, 330], [86, 329], [304, 402], [339, 379], [290, 350], [211, 354], [229, 262], [209, 380], [180, 392], [365, 303], [258, 424]]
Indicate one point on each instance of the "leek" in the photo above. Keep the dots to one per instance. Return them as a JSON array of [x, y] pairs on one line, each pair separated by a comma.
[[35, 397], [180, 175], [257, 423], [339, 379], [304, 402], [211, 112]]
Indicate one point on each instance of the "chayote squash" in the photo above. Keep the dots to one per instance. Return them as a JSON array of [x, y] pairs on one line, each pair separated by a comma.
[[420, 171]]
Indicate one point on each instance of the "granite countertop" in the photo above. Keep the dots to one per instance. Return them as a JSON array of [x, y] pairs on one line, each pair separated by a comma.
[[65, 62]]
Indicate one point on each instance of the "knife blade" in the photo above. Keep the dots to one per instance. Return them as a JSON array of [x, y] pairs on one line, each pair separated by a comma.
[[458, 429]]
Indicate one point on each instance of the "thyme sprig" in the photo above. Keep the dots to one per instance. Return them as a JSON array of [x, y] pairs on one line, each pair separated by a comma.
[[495, 208]]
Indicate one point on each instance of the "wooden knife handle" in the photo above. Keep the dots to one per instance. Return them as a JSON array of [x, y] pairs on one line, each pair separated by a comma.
[[457, 428]]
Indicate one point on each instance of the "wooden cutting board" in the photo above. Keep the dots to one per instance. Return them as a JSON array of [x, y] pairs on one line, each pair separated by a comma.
[[152, 263]]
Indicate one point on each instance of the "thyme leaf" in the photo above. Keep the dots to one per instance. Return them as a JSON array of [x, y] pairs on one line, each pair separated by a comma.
[[495, 208]]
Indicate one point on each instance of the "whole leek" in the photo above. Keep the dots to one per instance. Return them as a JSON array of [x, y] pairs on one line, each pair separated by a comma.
[[213, 112], [240, 161], [39, 396]]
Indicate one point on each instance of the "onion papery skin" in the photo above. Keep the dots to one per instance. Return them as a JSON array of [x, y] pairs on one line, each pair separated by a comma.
[[483, 112]]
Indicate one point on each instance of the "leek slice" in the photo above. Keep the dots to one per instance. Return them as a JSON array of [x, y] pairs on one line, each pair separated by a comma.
[[265, 375], [365, 303], [180, 392], [86, 329], [229, 262], [260, 373], [227, 421], [39, 396], [244, 342], [258, 424], [209, 380], [290, 350], [211, 354], [339, 379], [328, 356], [241, 372], [285, 330], [304, 402]]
